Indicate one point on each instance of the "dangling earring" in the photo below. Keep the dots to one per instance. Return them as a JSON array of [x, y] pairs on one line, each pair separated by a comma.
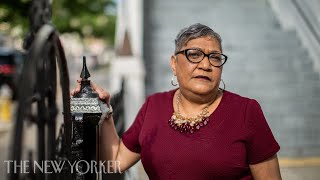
[[224, 85], [172, 81]]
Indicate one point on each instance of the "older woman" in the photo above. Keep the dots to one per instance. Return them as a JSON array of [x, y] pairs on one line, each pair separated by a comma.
[[196, 131]]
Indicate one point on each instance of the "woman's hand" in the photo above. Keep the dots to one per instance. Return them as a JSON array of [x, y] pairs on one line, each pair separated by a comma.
[[103, 94]]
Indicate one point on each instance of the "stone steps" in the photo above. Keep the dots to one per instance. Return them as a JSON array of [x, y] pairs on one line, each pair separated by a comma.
[[265, 62]]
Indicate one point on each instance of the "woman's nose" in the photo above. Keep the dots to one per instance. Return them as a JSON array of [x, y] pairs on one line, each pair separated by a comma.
[[205, 64]]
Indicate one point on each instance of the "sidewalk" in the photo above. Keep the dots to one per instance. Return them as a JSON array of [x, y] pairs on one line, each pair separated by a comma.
[[291, 169], [4, 147], [300, 168], [301, 173]]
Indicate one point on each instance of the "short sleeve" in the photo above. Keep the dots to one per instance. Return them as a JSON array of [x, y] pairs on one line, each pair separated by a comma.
[[130, 138], [261, 143]]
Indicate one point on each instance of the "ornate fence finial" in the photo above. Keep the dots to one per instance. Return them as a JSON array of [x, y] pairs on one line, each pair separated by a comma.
[[85, 72]]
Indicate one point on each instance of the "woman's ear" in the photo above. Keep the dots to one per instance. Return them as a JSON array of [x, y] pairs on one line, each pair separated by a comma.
[[173, 64]]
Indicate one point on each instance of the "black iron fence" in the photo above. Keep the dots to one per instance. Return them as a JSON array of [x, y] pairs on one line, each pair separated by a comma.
[[45, 66]]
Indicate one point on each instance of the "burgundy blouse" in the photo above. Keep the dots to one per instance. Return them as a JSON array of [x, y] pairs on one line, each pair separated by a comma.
[[237, 135]]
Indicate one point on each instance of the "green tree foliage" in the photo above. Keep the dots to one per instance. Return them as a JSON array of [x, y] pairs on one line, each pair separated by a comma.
[[87, 17]]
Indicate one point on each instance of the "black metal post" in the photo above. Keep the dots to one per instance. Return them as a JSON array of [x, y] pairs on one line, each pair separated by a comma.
[[86, 109]]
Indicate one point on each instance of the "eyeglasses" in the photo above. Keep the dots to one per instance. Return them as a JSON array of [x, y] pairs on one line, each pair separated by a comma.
[[196, 56]]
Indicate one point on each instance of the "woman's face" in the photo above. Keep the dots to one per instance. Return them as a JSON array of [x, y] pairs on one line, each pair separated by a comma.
[[198, 78]]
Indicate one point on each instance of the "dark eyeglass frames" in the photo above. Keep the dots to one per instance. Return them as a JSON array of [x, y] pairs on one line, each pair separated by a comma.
[[196, 56]]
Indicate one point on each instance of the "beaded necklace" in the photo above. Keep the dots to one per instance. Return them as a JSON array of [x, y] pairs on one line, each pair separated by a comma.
[[189, 124]]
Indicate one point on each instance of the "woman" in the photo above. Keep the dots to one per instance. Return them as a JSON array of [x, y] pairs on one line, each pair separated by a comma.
[[196, 131]]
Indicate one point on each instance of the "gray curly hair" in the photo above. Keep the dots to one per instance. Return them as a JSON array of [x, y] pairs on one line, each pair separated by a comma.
[[192, 32]]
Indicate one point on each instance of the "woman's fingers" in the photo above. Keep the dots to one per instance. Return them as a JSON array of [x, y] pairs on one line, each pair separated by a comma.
[[103, 95], [76, 89]]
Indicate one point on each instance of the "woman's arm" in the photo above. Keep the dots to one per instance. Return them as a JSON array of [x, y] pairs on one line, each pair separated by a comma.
[[266, 170], [112, 148]]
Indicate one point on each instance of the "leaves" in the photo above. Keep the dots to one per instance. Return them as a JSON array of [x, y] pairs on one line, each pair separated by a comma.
[[88, 18]]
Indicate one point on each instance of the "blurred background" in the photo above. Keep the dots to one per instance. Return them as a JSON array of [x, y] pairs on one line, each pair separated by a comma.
[[273, 49]]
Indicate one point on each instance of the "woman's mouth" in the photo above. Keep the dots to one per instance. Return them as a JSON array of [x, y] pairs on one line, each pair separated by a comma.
[[203, 78]]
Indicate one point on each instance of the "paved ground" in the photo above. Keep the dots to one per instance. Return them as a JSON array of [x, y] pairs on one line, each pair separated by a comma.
[[301, 172]]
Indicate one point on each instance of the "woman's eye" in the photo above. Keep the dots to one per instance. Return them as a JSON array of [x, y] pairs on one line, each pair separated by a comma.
[[215, 58], [194, 55]]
